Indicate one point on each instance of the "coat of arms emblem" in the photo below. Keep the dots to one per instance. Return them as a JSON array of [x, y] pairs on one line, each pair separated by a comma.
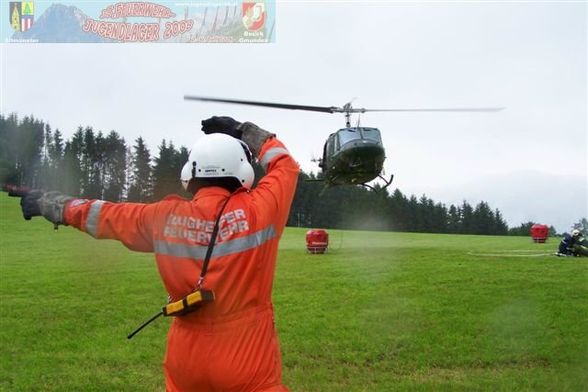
[[21, 15]]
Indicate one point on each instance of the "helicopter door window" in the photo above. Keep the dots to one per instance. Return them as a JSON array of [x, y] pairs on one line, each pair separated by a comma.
[[371, 134], [330, 147]]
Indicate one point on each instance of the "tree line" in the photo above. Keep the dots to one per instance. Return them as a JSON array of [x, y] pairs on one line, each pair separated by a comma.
[[95, 165], [361, 208], [90, 164]]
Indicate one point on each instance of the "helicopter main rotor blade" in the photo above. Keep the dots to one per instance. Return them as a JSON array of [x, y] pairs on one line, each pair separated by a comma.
[[434, 110], [324, 109]]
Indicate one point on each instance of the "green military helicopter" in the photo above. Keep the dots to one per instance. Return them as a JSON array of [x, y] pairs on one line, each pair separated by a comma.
[[351, 155]]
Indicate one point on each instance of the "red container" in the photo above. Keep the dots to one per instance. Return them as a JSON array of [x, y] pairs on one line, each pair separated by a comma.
[[539, 233], [317, 241]]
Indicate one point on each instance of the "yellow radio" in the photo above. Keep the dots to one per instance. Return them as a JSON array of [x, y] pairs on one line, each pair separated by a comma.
[[189, 303]]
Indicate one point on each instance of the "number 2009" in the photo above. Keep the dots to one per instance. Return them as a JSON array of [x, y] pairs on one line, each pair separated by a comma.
[[173, 29]]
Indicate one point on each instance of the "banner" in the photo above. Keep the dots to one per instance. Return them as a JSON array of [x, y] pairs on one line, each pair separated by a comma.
[[223, 21]]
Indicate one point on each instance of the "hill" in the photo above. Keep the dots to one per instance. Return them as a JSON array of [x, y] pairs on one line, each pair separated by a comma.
[[557, 201]]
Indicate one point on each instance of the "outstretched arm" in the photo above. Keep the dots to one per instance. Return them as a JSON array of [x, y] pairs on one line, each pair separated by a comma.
[[130, 223]]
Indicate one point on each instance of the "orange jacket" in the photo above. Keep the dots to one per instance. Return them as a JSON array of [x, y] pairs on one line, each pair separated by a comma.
[[240, 272]]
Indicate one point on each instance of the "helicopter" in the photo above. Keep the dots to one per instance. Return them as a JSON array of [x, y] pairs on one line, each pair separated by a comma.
[[351, 155]]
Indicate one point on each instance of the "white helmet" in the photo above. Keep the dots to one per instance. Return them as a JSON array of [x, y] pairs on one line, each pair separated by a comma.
[[576, 233], [186, 175], [216, 156]]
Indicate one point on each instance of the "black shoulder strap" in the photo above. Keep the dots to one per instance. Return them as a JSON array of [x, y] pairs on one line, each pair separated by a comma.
[[211, 245]]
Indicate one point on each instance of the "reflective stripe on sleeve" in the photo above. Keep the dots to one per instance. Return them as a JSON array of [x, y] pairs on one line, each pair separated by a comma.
[[271, 154], [229, 247], [93, 217]]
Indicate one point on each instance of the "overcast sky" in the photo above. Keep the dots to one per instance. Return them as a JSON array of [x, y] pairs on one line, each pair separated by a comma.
[[530, 58]]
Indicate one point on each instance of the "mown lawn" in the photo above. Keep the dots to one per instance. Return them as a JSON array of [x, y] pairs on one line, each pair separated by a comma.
[[380, 312]]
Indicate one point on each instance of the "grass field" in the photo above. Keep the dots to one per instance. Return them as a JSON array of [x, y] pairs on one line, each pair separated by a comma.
[[380, 312]]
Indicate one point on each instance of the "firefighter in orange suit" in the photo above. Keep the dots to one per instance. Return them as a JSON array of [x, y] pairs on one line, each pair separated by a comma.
[[229, 344]]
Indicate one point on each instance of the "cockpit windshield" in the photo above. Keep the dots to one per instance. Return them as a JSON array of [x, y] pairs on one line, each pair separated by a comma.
[[347, 135], [371, 134]]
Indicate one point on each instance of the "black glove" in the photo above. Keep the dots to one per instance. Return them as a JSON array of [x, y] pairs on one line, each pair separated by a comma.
[[226, 125], [30, 204]]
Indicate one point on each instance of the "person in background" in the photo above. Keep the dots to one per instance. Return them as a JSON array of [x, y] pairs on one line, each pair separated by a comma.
[[573, 245]]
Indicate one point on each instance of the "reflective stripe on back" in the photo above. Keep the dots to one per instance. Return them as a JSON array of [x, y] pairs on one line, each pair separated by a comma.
[[93, 217], [271, 154], [220, 249]]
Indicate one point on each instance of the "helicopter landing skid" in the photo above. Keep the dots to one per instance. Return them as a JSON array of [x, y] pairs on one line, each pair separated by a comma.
[[387, 183]]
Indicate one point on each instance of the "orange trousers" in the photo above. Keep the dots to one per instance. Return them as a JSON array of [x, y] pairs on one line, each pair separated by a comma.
[[240, 355]]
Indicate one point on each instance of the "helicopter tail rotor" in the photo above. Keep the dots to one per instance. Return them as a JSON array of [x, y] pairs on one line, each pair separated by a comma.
[[314, 159]]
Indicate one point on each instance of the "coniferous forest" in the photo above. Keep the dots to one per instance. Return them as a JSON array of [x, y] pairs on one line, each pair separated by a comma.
[[97, 165]]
